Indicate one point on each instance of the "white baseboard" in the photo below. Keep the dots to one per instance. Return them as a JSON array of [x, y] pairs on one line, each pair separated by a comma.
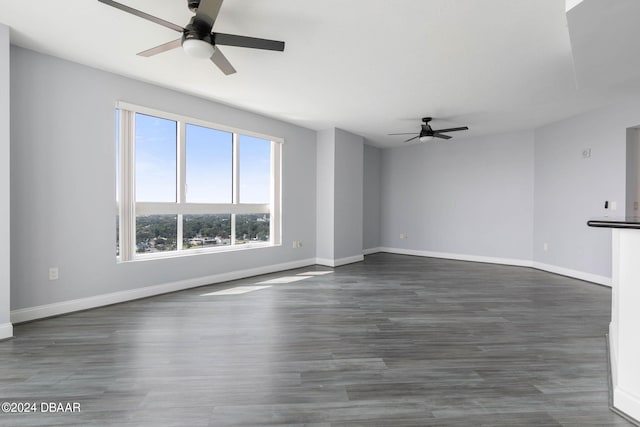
[[613, 356], [6, 331], [581, 275], [339, 261], [55, 309], [588, 277], [370, 251], [459, 257], [627, 403]]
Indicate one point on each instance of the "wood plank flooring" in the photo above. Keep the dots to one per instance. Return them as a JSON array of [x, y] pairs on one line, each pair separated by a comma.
[[391, 341]]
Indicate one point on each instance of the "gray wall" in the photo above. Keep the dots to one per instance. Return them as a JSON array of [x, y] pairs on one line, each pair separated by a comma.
[[348, 195], [633, 172], [339, 196], [63, 183], [5, 254], [471, 196], [325, 190], [371, 195], [569, 189]]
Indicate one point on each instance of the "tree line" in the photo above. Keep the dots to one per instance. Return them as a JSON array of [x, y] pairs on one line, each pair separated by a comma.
[[160, 231]]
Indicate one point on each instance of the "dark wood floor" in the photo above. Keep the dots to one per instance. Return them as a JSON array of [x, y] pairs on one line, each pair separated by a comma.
[[392, 341]]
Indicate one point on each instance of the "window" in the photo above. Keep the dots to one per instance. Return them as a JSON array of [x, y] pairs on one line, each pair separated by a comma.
[[186, 186]]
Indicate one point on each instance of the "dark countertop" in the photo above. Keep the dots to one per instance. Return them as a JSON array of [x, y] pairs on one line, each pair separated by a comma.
[[615, 222]]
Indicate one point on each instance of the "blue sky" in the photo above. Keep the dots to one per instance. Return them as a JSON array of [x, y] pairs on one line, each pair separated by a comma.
[[209, 176]]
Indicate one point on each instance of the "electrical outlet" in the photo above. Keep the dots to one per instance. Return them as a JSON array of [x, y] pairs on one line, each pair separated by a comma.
[[53, 273], [635, 206], [403, 236], [614, 206], [545, 247]]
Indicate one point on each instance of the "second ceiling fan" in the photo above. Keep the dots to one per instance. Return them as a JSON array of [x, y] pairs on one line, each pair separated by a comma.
[[198, 39], [427, 133]]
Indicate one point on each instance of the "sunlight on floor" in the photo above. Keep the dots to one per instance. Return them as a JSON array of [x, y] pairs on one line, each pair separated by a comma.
[[285, 279]]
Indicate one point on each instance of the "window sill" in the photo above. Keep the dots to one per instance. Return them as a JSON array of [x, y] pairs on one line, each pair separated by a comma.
[[196, 252]]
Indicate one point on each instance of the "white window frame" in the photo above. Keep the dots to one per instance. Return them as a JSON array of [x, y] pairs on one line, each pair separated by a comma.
[[128, 208]]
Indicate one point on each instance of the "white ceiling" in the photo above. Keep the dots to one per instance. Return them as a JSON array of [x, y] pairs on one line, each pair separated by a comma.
[[371, 67]]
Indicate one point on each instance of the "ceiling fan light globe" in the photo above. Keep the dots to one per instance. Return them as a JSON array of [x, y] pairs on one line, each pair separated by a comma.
[[198, 48], [426, 138]]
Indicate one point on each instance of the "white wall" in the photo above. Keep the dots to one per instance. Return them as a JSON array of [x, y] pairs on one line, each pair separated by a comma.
[[471, 197], [569, 189], [624, 346], [63, 185], [6, 330], [371, 196]]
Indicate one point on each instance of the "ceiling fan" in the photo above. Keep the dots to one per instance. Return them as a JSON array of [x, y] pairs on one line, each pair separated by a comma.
[[197, 38], [427, 133]]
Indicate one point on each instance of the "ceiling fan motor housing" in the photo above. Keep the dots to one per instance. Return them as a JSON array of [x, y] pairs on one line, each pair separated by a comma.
[[193, 5], [426, 128], [198, 30], [197, 40]]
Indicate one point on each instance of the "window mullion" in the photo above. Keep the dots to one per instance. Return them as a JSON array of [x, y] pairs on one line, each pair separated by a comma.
[[236, 169], [181, 179], [274, 213], [235, 182], [182, 162]]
